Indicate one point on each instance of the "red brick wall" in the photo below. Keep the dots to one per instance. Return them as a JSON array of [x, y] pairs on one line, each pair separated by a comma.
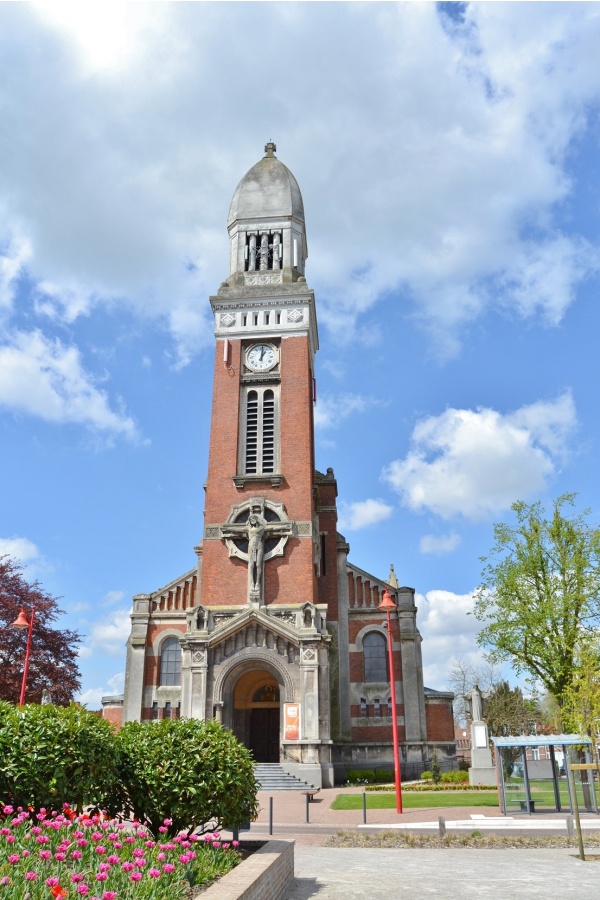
[[439, 719], [224, 580], [114, 715]]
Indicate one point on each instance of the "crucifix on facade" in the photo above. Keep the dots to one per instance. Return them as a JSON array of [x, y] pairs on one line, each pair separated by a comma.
[[256, 530]]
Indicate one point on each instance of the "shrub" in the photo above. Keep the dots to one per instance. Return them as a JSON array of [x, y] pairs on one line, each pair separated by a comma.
[[384, 776], [426, 775], [189, 771], [53, 755], [455, 777], [360, 776]]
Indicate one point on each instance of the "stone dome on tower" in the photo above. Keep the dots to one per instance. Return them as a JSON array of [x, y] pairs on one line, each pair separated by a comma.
[[267, 191], [267, 233]]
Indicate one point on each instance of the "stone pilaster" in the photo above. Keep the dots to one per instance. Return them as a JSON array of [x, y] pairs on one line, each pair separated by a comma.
[[412, 677], [136, 659], [343, 640]]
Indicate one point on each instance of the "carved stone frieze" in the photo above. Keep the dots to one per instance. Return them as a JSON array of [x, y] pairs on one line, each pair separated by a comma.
[[212, 533], [254, 635], [295, 315], [260, 279], [285, 616], [227, 320], [199, 657], [227, 291]]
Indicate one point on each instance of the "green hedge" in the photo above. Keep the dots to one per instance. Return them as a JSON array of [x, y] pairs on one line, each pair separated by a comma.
[[189, 771], [53, 755], [184, 770]]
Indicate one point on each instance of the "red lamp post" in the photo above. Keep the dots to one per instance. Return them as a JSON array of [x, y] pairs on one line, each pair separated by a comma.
[[22, 623], [387, 605]]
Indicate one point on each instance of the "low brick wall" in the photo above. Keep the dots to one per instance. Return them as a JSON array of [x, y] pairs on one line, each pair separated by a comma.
[[266, 875]]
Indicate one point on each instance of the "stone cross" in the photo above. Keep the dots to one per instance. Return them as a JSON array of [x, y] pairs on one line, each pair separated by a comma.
[[256, 531]]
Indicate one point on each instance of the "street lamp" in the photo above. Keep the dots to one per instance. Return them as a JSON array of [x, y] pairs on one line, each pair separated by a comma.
[[22, 623], [387, 606]]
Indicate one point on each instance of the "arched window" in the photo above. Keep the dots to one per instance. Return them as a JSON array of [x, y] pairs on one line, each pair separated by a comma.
[[374, 648], [170, 662]]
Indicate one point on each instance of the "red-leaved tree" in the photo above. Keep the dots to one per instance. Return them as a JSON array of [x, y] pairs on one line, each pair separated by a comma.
[[53, 660]]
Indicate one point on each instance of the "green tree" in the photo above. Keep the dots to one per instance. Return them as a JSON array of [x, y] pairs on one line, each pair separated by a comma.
[[540, 593], [53, 661], [581, 700], [506, 711], [188, 771]]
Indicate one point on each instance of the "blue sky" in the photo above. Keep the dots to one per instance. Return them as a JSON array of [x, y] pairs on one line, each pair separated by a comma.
[[448, 160]]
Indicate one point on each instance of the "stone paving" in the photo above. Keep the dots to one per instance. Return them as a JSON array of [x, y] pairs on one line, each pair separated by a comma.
[[289, 817], [328, 873], [324, 873]]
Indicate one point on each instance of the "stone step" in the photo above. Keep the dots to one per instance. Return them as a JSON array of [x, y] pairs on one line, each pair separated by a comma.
[[271, 777]]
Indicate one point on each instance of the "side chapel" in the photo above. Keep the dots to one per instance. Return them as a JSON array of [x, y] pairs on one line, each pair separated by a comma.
[[274, 632]]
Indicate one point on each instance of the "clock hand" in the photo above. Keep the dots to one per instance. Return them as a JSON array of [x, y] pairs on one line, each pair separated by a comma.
[[262, 352]]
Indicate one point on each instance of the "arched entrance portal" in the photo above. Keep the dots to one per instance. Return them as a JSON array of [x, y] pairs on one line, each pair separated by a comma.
[[257, 714]]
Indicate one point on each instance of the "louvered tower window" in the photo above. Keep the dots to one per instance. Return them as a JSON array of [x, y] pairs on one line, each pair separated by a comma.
[[260, 450]]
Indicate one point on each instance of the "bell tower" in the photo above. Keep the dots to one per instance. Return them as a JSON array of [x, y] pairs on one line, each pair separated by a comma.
[[260, 536], [274, 633]]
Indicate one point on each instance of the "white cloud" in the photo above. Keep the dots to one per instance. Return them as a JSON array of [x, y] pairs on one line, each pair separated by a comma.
[[458, 137], [331, 410], [476, 463], [109, 636], [439, 544], [362, 514], [92, 698], [448, 631], [19, 548], [45, 378], [112, 597], [15, 251]]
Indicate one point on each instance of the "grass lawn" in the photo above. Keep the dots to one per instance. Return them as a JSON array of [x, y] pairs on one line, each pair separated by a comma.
[[425, 800]]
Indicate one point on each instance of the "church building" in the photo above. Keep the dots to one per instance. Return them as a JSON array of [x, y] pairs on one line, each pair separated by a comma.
[[274, 632]]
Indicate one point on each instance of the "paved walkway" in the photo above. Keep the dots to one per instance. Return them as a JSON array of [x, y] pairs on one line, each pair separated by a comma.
[[289, 818], [324, 873], [331, 873]]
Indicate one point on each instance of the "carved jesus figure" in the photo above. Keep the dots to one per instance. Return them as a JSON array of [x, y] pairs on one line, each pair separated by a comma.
[[256, 530], [257, 527]]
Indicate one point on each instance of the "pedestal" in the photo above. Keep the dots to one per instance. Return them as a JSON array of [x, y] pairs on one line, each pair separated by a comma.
[[482, 769]]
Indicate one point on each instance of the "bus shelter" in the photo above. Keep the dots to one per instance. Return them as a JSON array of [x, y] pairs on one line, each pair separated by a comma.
[[533, 773]]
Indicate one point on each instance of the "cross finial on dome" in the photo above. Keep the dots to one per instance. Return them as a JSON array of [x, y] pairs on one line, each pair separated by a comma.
[[270, 149]]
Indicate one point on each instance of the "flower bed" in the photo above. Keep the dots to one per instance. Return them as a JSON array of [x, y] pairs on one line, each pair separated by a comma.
[[464, 788], [61, 855]]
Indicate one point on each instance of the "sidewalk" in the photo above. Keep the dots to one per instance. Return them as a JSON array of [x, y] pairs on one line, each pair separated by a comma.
[[290, 808], [324, 873]]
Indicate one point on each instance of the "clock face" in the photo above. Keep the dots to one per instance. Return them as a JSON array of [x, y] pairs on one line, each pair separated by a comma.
[[261, 357]]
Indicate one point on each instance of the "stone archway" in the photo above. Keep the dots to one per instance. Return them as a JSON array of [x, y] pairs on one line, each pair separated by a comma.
[[256, 714]]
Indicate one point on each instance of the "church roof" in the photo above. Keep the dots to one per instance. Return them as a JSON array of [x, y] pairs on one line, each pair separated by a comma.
[[267, 191]]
